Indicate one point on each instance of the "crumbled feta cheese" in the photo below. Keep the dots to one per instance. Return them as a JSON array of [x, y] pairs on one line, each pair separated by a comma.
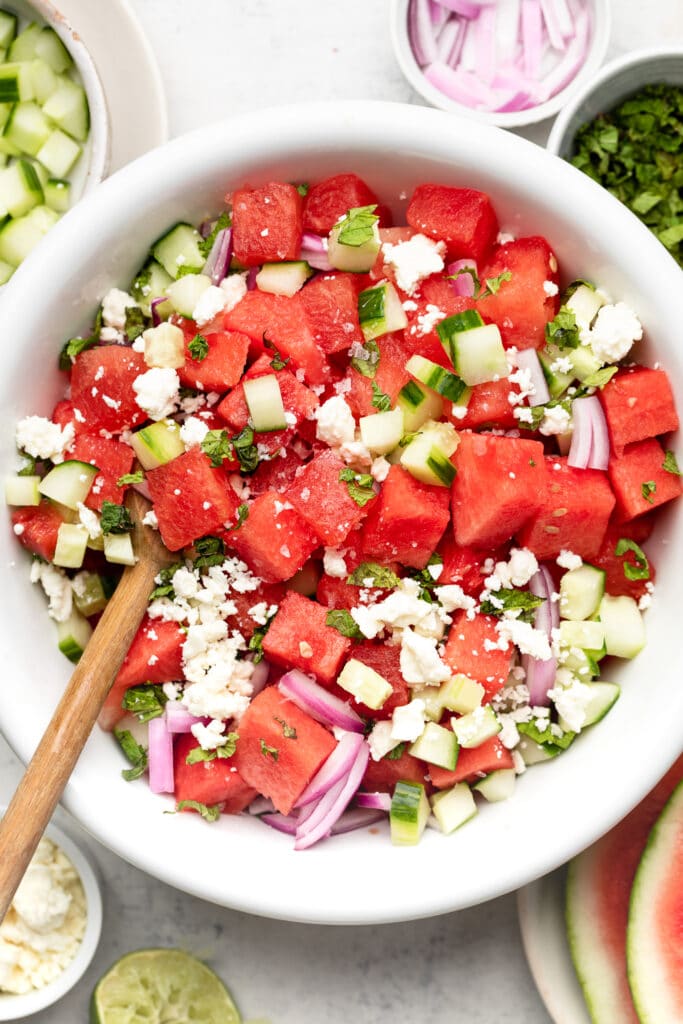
[[57, 587], [420, 661], [234, 288], [336, 425], [550, 288], [568, 560], [114, 306], [504, 237], [516, 572], [209, 304], [150, 519], [556, 420], [193, 431], [171, 690], [615, 329], [156, 392], [408, 722], [562, 364], [379, 470], [523, 635], [428, 320], [524, 381], [334, 564], [414, 260], [571, 698], [402, 608], [459, 411], [380, 740], [305, 649], [43, 439], [90, 520], [209, 736], [451, 596]]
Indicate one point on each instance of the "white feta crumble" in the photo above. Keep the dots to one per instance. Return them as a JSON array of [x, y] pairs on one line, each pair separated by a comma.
[[209, 304], [428, 320], [402, 608], [379, 470], [524, 381], [550, 288], [414, 260], [504, 237], [150, 519], [43, 439], [420, 661], [193, 431], [209, 736], [408, 721], [90, 520], [516, 572], [571, 698], [335, 423], [171, 691], [556, 420], [451, 596], [614, 331], [527, 639], [156, 392], [234, 288], [562, 364], [114, 306], [459, 411], [568, 560], [334, 564], [57, 587], [646, 600], [380, 740]]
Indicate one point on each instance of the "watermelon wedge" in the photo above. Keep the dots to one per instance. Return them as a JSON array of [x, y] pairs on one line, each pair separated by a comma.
[[599, 886], [654, 945]]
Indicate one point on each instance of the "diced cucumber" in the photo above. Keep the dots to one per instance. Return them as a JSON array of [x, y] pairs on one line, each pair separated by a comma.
[[435, 377], [5, 111], [16, 83], [476, 727], [418, 404], [72, 541], [586, 635], [427, 456], [157, 444], [42, 218], [20, 188], [68, 108], [264, 401], [69, 482], [50, 48], [89, 594], [409, 813], [185, 293], [73, 635], [436, 745], [178, 251], [535, 753], [43, 79], [557, 381], [581, 591], [6, 271], [59, 154], [453, 807], [499, 785], [581, 663], [118, 548], [283, 278], [363, 683], [462, 694], [152, 283], [624, 626], [479, 355], [8, 28], [585, 363], [382, 432], [343, 250], [22, 490], [17, 239], [603, 697], [164, 346], [584, 303], [380, 311], [57, 194], [27, 127], [41, 174], [449, 329], [24, 45]]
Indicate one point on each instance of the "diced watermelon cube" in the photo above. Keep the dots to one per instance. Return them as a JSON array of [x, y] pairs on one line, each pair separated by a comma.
[[616, 582], [221, 367], [63, 413], [381, 776], [191, 499], [155, 656], [461, 217], [394, 352], [499, 484], [276, 474], [380, 271], [247, 606], [638, 404], [331, 306], [336, 593], [576, 508], [522, 306], [209, 782], [102, 389], [407, 520], [280, 748], [464, 565], [386, 661], [640, 481], [472, 650], [113, 459], [274, 540], [489, 405], [267, 223], [36, 528], [473, 763], [435, 301], [331, 198], [323, 500], [299, 637]]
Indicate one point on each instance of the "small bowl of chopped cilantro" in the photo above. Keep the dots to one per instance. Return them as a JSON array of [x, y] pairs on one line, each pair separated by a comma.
[[625, 130]]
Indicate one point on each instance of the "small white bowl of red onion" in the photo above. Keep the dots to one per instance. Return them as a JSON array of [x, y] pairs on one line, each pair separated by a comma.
[[503, 62]]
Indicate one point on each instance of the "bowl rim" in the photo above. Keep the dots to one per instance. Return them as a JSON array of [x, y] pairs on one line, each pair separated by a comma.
[[260, 140], [559, 137], [595, 55], [14, 1007]]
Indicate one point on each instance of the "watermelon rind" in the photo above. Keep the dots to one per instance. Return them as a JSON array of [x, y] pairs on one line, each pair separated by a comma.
[[654, 955]]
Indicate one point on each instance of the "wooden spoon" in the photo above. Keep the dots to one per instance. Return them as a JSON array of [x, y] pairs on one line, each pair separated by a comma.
[[48, 772]]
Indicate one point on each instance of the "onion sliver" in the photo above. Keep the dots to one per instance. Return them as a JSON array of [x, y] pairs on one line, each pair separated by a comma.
[[356, 817], [178, 718], [335, 767], [331, 807], [286, 823], [463, 282], [318, 703], [528, 359], [160, 756], [375, 801], [582, 435], [218, 260]]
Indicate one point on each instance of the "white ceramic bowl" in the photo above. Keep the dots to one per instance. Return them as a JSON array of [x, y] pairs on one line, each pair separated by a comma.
[[559, 807], [613, 83], [16, 1007], [601, 20]]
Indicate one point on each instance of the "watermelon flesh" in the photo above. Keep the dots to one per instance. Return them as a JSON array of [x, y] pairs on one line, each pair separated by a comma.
[[599, 887]]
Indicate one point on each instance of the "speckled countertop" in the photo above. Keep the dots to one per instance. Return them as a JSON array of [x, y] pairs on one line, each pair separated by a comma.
[[466, 966]]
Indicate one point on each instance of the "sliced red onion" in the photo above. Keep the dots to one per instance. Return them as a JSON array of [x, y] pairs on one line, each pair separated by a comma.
[[532, 37], [540, 678], [582, 434], [218, 260], [558, 22], [259, 677], [318, 703], [314, 251], [516, 100], [599, 457], [143, 489], [485, 43], [463, 283], [460, 85], [465, 8], [421, 31], [355, 818], [450, 40], [261, 805], [375, 801], [439, 15], [251, 278], [575, 54], [553, 605], [336, 766], [178, 718], [156, 319], [330, 808], [206, 227], [286, 823], [540, 675], [160, 756], [528, 360]]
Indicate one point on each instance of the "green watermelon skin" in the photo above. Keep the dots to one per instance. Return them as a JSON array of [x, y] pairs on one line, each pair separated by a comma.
[[599, 886]]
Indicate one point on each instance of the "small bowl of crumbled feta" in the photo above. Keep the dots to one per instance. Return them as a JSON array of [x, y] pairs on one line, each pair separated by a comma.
[[50, 933]]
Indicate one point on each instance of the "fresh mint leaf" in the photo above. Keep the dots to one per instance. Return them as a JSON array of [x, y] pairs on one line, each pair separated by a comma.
[[29, 467], [136, 322], [648, 488], [269, 751], [639, 571], [210, 551], [208, 813], [396, 753], [217, 446], [288, 731], [198, 348], [380, 400], [278, 362], [670, 464], [115, 518], [358, 226], [165, 586], [493, 284], [371, 574], [600, 377], [206, 244], [73, 348], [303, 188], [546, 737], [136, 754], [255, 644], [245, 450], [145, 702], [367, 364], [359, 485], [501, 601], [342, 620], [130, 478], [224, 751], [563, 331]]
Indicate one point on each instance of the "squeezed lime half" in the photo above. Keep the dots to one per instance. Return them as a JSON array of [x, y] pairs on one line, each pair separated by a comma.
[[161, 986]]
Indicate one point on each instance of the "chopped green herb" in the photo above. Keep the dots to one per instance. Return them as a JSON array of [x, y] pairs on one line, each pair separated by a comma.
[[198, 348], [358, 225], [136, 322], [208, 813], [255, 644], [288, 731], [269, 751], [370, 574], [532, 463], [546, 737], [367, 364], [210, 551], [507, 600], [407, 438], [74, 347], [359, 486], [242, 515], [670, 464], [136, 754], [472, 273], [396, 753], [342, 620], [145, 702], [224, 751], [115, 518], [563, 331], [648, 488], [303, 189], [600, 377], [493, 284], [206, 244], [380, 400], [639, 571], [130, 478], [425, 579], [165, 586], [29, 467], [277, 362], [185, 269], [217, 446], [245, 450]]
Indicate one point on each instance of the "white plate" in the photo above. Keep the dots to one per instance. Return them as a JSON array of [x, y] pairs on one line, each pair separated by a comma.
[[541, 920]]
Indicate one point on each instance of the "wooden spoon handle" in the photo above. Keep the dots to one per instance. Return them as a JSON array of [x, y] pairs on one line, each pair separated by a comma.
[[55, 757]]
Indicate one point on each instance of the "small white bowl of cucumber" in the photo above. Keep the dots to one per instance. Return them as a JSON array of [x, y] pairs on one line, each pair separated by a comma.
[[54, 125]]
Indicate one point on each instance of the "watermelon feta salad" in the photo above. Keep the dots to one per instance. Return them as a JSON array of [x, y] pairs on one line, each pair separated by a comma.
[[407, 471]]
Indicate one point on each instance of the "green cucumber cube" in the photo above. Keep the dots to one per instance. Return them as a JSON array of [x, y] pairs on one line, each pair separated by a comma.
[[59, 154], [68, 108], [381, 432], [16, 83], [164, 346], [498, 785], [178, 251], [50, 48], [380, 311], [418, 405], [69, 482], [22, 490], [27, 127], [43, 79], [23, 46], [436, 745], [283, 278], [118, 548], [264, 401], [72, 541], [624, 626], [185, 293], [352, 251], [20, 188], [476, 727], [57, 194], [157, 444], [453, 807], [587, 636], [73, 635], [90, 597], [151, 283], [364, 684], [409, 813], [8, 28], [581, 592]]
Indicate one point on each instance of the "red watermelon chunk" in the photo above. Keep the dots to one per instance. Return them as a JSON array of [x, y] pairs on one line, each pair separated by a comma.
[[113, 459], [467, 654], [333, 592], [380, 271], [435, 301], [407, 520], [638, 404], [221, 367], [280, 748], [616, 582], [299, 637], [191, 499], [386, 661], [499, 484], [331, 198], [209, 782], [640, 481], [63, 413], [464, 565], [102, 389], [276, 474], [394, 352], [36, 528], [489, 405], [249, 607], [323, 500], [461, 217], [473, 763], [331, 306], [155, 656], [521, 307], [381, 776], [267, 223], [576, 508], [274, 540]]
